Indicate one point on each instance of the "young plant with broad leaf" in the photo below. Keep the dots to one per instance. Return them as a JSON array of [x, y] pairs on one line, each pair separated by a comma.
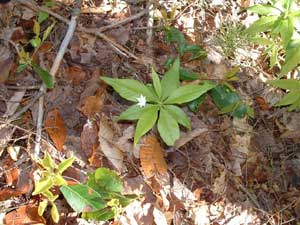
[[158, 102]]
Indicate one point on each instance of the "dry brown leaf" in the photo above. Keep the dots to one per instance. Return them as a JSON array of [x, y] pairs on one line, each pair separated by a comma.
[[186, 137], [92, 105], [220, 183], [89, 138], [56, 129], [107, 146], [152, 157], [12, 176], [75, 74], [6, 133], [6, 63], [14, 103], [26, 214]]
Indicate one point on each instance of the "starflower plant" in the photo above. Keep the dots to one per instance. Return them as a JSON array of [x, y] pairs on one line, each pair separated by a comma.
[[158, 102]]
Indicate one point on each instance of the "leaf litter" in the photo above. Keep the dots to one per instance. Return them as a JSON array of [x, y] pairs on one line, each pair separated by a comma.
[[223, 171]]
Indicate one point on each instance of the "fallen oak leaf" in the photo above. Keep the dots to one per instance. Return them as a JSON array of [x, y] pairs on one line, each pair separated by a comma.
[[56, 129], [152, 157]]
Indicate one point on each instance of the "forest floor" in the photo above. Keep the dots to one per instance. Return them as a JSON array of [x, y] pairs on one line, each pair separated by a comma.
[[225, 170]]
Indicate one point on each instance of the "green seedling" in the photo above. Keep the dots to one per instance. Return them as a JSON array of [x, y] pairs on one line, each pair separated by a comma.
[[100, 198], [158, 102], [51, 177]]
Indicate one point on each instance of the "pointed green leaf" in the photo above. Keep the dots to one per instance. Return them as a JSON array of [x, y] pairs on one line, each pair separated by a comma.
[[81, 196], [196, 52], [65, 164], [295, 105], [261, 41], [21, 67], [250, 112], [54, 213], [287, 84], [223, 96], [286, 31], [231, 73], [170, 80], [132, 113], [240, 110], [263, 24], [44, 74], [194, 105], [146, 122], [42, 206], [188, 93], [36, 42], [289, 98], [58, 180], [48, 31], [156, 83], [100, 215], [47, 162], [130, 89], [42, 185], [179, 115], [174, 35], [108, 180], [292, 56], [36, 28], [288, 4], [263, 9], [168, 127], [274, 56]]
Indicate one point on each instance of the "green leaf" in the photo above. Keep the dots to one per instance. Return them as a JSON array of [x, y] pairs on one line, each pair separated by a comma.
[[240, 111], [42, 16], [228, 108], [36, 28], [146, 122], [188, 93], [194, 105], [58, 180], [169, 61], [54, 213], [250, 112], [263, 24], [42, 185], [156, 83], [287, 84], [261, 41], [42, 206], [231, 73], [48, 31], [168, 127], [170, 80], [289, 98], [292, 56], [186, 74], [99, 215], [49, 195], [65, 164], [224, 96], [132, 113], [130, 89], [21, 67], [174, 35], [263, 9], [295, 105], [274, 56], [47, 162], [108, 180], [179, 115], [81, 196], [44, 74], [196, 51], [36, 42], [288, 4], [286, 31]]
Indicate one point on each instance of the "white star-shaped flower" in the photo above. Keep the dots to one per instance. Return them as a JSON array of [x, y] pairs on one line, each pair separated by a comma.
[[141, 101]]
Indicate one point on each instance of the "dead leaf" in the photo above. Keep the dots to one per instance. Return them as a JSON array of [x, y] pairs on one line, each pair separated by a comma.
[[75, 74], [6, 133], [12, 176], [220, 184], [89, 138], [187, 137], [14, 103], [263, 105], [13, 151], [92, 105], [25, 214], [6, 63], [56, 129], [152, 157], [107, 146]]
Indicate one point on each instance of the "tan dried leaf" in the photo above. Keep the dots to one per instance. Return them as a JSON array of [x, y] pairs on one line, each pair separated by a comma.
[[152, 157]]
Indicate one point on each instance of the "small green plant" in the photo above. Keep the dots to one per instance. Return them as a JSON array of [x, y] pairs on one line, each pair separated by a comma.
[[230, 37], [158, 102], [279, 22], [26, 60], [100, 198], [51, 177]]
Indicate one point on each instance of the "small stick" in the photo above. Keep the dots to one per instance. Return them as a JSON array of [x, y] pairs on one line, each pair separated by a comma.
[[53, 71]]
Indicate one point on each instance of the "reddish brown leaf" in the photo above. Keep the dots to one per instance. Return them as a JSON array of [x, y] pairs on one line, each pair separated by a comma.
[[76, 74], [56, 129], [92, 105], [26, 214], [152, 157], [263, 105], [12, 176], [96, 159], [89, 138]]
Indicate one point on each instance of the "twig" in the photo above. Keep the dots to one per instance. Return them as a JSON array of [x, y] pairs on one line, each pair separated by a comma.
[[95, 32], [53, 71]]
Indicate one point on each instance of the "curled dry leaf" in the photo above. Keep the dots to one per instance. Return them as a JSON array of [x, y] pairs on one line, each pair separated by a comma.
[[107, 146], [89, 138], [56, 129], [152, 157], [92, 105], [26, 214]]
